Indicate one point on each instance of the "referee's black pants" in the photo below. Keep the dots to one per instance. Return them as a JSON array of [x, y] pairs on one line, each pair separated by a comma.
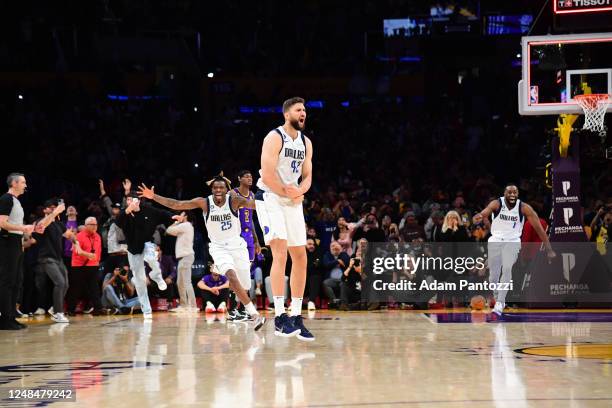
[[11, 258]]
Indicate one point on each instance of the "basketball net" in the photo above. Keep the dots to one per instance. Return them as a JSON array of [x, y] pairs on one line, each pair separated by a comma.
[[594, 107]]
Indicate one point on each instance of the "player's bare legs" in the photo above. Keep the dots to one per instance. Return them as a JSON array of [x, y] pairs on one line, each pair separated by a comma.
[[277, 270], [298, 271]]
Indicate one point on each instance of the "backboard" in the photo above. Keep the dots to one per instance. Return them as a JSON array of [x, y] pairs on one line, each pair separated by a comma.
[[558, 67]]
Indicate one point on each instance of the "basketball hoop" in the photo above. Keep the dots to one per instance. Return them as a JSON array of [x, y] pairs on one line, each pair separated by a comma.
[[594, 107]]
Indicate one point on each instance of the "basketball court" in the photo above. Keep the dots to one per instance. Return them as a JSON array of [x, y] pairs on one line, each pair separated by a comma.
[[555, 352], [547, 358]]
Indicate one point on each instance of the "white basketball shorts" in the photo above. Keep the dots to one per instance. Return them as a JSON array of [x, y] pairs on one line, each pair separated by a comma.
[[234, 257], [279, 218]]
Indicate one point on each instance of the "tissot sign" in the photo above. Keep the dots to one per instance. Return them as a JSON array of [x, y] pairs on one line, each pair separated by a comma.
[[581, 6]]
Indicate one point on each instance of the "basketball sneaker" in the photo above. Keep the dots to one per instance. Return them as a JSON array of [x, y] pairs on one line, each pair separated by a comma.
[[311, 306], [237, 316], [39, 312], [210, 308], [59, 318], [499, 309], [179, 309], [147, 316], [284, 326], [258, 321], [222, 308], [304, 334]]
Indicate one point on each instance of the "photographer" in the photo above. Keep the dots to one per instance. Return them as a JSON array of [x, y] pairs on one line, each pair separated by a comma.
[[118, 291], [350, 287]]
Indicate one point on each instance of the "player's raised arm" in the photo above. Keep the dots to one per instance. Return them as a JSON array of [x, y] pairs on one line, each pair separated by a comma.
[[198, 202], [272, 144], [486, 213]]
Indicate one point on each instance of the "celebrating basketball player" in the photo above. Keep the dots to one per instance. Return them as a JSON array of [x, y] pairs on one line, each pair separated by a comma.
[[227, 247], [505, 242], [286, 157]]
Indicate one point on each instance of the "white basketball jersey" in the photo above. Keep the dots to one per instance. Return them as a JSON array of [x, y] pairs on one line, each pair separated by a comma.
[[290, 159], [222, 223], [507, 224]]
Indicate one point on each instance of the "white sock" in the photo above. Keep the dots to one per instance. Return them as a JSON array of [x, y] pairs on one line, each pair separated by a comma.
[[296, 306], [251, 309], [279, 305]]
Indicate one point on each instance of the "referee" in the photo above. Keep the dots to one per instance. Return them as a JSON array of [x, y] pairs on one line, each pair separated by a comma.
[[11, 251]]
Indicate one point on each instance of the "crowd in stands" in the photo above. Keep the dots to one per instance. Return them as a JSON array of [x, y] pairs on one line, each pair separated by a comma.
[[384, 170]]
